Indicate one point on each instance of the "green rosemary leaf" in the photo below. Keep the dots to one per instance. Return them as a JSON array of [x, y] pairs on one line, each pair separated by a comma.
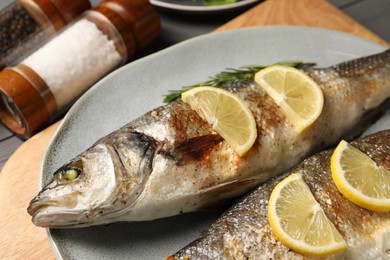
[[291, 63], [229, 77], [176, 94]]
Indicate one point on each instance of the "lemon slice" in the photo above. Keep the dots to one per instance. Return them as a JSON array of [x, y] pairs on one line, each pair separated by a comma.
[[298, 220], [360, 179], [297, 94], [228, 115]]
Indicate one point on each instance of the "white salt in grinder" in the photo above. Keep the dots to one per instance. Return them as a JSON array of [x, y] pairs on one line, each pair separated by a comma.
[[33, 92], [27, 24]]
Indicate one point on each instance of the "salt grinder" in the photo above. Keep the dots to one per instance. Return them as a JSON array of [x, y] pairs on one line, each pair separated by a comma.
[[33, 92], [26, 24]]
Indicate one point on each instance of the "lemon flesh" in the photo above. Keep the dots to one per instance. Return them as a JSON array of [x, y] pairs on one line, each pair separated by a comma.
[[360, 179], [298, 220], [294, 92], [228, 115]]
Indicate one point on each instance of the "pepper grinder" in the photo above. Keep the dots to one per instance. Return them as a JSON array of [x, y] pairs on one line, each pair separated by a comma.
[[48, 81], [26, 24]]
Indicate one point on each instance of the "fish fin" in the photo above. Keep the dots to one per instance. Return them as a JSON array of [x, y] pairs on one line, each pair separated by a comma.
[[233, 187], [196, 148], [223, 194]]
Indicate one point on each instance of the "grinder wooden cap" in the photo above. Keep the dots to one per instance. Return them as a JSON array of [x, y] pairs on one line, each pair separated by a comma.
[[26, 103], [135, 20], [55, 12]]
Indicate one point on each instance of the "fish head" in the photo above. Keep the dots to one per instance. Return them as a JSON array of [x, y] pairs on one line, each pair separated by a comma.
[[79, 192]]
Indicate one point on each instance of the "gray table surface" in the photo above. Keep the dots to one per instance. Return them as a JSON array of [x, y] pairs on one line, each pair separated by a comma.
[[373, 14]]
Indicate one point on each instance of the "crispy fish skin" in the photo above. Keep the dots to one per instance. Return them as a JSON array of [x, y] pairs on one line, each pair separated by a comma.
[[243, 232], [170, 161]]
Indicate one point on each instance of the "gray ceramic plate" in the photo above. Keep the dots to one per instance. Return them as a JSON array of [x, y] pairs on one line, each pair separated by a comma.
[[139, 86], [198, 7]]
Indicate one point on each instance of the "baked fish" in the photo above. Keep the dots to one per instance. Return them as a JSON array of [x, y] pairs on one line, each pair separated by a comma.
[[243, 232], [170, 161]]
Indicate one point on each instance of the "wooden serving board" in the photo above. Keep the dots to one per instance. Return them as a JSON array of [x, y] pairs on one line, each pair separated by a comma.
[[20, 239]]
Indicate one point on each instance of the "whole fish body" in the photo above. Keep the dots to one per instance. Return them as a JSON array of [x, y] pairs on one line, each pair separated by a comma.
[[243, 232], [170, 161]]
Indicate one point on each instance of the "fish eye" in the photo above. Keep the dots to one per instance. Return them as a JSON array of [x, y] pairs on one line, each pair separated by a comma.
[[67, 175]]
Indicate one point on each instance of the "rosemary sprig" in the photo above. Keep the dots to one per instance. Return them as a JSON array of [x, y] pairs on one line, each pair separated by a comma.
[[229, 77]]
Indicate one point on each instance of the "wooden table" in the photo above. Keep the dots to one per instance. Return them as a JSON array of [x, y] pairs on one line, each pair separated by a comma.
[[20, 239]]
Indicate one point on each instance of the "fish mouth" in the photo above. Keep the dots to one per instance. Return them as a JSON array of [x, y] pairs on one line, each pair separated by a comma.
[[36, 206], [52, 215], [39, 211], [63, 214], [49, 213]]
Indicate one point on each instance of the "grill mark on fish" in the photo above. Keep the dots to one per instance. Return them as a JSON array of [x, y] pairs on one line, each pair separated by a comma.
[[244, 232], [267, 113], [195, 149], [186, 123]]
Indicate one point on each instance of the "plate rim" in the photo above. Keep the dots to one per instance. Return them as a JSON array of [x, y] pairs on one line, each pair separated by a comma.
[[203, 9]]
